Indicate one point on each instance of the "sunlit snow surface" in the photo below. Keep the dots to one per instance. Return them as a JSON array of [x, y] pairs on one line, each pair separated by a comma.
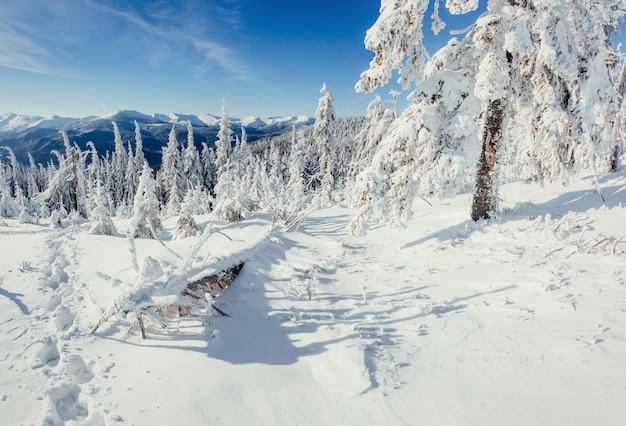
[[519, 320]]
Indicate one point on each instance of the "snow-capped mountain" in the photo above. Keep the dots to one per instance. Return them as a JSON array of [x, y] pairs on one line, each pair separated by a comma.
[[41, 135]]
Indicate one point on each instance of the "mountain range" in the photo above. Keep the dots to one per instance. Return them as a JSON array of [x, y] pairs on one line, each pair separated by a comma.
[[40, 135]]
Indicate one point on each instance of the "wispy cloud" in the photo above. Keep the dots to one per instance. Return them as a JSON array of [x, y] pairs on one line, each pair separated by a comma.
[[30, 39], [215, 53], [42, 37]]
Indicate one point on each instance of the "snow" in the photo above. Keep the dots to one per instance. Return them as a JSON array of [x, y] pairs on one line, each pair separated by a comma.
[[16, 123], [517, 320]]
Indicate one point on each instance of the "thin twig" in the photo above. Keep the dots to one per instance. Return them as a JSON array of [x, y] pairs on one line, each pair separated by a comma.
[[600, 242], [615, 245], [553, 251]]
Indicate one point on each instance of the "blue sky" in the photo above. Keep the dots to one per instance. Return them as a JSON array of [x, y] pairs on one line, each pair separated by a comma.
[[265, 58]]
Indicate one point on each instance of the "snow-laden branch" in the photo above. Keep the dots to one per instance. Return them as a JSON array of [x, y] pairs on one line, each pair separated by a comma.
[[148, 299]]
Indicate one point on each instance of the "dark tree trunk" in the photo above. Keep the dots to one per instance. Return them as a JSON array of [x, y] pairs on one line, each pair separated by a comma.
[[485, 196]]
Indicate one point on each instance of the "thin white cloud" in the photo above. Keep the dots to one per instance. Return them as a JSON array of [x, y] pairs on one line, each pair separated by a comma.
[[37, 37], [215, 53], [30, 40]]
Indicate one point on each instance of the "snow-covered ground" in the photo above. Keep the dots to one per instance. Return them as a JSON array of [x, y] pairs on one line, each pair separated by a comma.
[[519, 320]]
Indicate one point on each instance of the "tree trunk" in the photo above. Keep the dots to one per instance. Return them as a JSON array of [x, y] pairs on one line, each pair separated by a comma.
[[485, 196], [615, 146]]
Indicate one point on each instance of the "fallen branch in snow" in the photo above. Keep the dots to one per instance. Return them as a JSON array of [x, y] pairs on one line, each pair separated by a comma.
[[553, 251], [603, 240], [580, 247], [188, 291], [193, 298], [616, 242], [295, 222]]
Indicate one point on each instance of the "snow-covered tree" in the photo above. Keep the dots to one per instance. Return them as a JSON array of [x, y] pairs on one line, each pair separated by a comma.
[[397, 41], [140, 158], [170, 176], [7, 204], [67, 187], [186, 225], [192, 170], [223, 143], [326, 145], [274, 188], [119, 162], [230, 199], [526, 94], [145, 222], [131, 180], [101, 222], [295, 193], [209, 169]]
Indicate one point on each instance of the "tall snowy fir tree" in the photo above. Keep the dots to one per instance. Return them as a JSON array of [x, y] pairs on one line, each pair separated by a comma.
[[117, 171], [192, 170], [145, 222], [209, 169], [295, 193], [223, 143], [171, 174], [326, 145], [101, 222], [7, 204]]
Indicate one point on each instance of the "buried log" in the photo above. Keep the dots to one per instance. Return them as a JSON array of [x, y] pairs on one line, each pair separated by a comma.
[[195, 297]]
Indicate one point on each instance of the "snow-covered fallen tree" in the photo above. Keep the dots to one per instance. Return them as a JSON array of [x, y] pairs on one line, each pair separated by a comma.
[[190, 290]]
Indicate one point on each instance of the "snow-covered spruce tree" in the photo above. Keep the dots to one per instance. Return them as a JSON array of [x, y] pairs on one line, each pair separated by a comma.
[[131, 180], [514, 99], [36, 176], [67, 188], [119, 161], [378, 119], [186, 225], [170, 175], [192, 170], [295, 195], [145, 222], [223, 143], [101, 222], [209, 169], [15, 174], [274, 190], [326, 145], [232, 198], [7, 203], [139, 158]]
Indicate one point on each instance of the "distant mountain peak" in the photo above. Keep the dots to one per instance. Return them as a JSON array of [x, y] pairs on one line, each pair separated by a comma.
[[39, 135]]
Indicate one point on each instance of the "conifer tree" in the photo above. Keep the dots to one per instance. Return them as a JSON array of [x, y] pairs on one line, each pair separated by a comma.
[[295, 194], [223, 144], [326, 145], [170, 176], [209, 169], [186, 225], [119, 161], [145, 222], [7, 204], [192, 170], [101, 222]]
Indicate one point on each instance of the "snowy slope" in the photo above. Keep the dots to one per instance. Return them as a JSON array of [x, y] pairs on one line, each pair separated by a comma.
[[519, 320]]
